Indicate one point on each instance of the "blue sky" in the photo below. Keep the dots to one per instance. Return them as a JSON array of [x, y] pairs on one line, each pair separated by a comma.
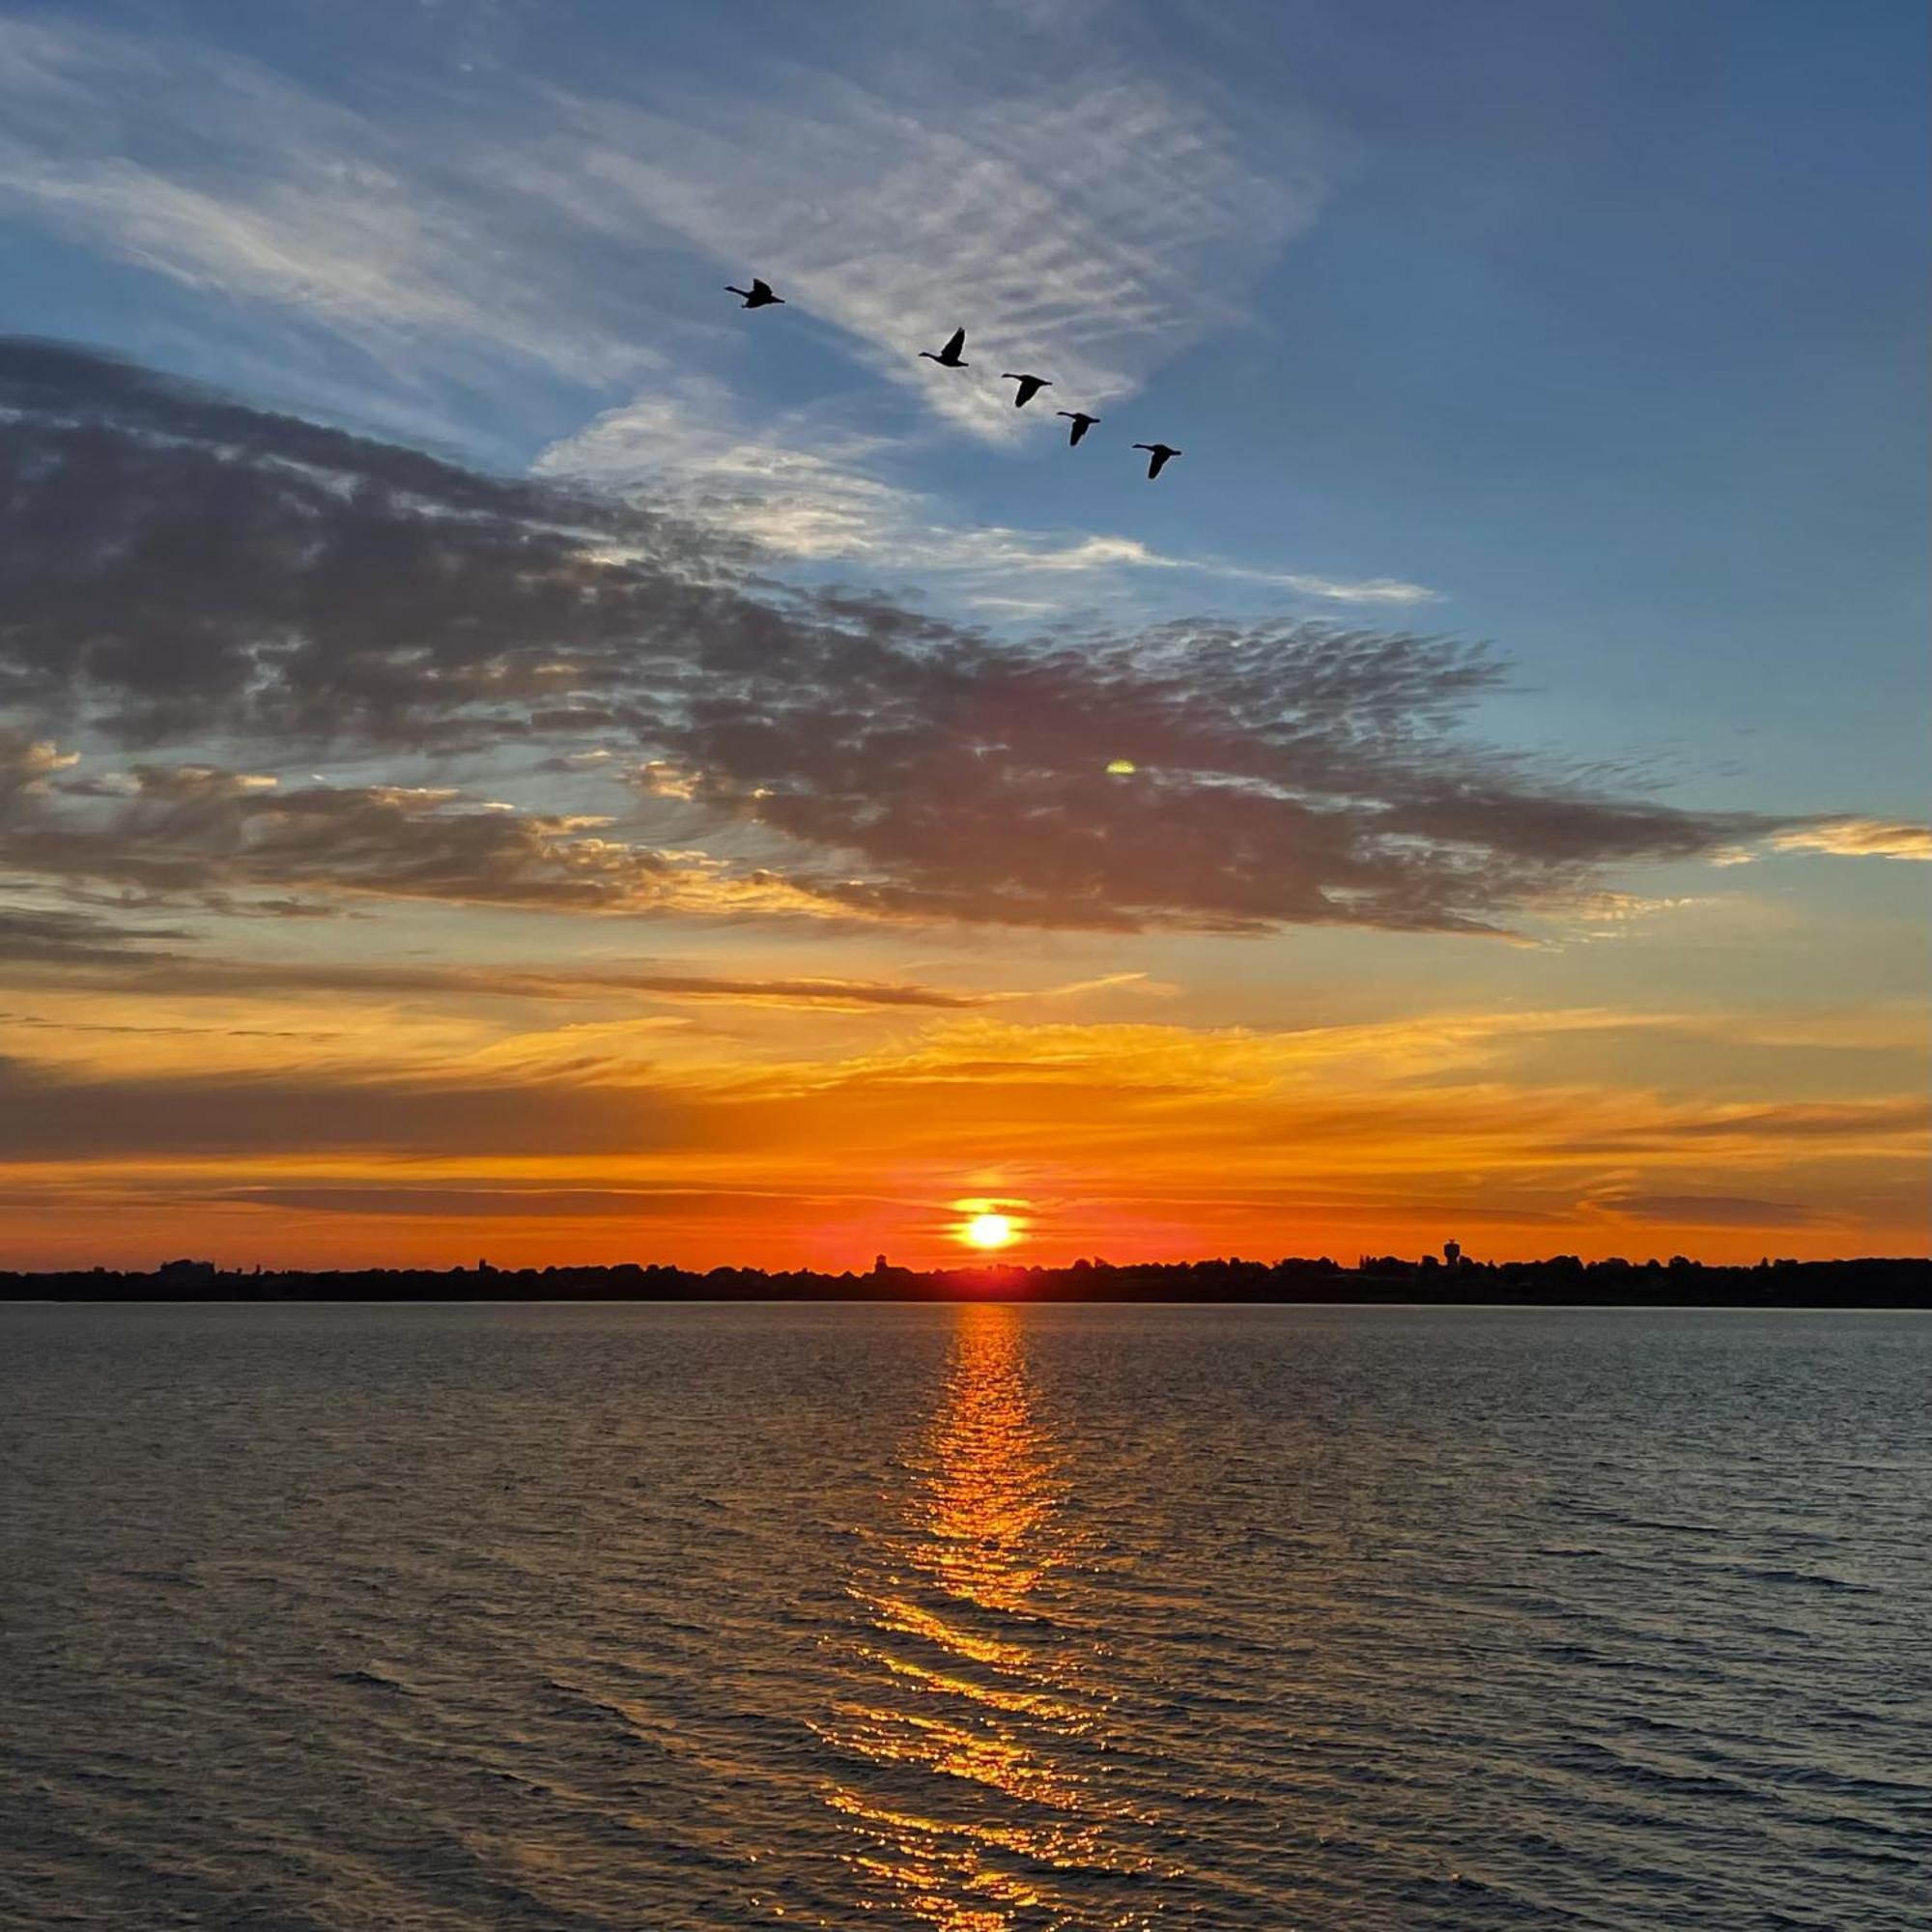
[[1593, 333], [1601, 323]]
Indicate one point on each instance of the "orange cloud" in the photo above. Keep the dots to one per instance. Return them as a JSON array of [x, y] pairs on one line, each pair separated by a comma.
[[1125, 1140], [1858, 839]]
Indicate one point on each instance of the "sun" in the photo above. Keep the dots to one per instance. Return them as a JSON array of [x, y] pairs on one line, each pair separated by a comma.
[[989, 1231]]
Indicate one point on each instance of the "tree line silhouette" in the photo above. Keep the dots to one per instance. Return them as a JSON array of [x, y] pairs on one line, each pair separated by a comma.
[[1877, 1282]]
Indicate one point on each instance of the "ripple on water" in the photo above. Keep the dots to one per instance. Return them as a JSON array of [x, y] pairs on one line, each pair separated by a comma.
[[983, 1619]]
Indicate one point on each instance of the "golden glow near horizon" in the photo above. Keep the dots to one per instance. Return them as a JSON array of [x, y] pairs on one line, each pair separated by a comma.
[[1157, 1130]]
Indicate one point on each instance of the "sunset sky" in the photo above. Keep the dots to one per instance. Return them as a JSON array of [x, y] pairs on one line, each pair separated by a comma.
[[504, 752]]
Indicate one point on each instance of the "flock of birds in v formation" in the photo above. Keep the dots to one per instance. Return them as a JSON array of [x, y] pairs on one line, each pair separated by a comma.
[[952, 356]]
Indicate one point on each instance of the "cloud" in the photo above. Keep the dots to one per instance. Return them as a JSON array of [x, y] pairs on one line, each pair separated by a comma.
[[1106, 1126], [802, 489], [1738, 1132], [57, 388], [631, 1203], [102, 955], [1715, 1211], [368, 227], [1090, 223], [70, 940], [46, 1117], [1809, 1119], [1858, 838], [132, 1030], [27, 764], [194, 835], [1076, 203], [190, 567], [683, 442], [1343, 590], [185, 564], [813, 991], [1279, 777]]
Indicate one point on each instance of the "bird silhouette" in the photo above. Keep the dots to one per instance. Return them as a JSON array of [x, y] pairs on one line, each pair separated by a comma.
[[1081, 422], [758, 296], [1029, 388], [1157, 455], [949, 357]]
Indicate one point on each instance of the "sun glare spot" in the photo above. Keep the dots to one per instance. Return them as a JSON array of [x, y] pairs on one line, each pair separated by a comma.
[[988, 1231]]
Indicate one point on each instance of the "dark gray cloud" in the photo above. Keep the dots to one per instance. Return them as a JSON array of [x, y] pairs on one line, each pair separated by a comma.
[[1717, 1210], [45, 1115], [1292, 776], [106, 954], [1815, 1119], [71, 940], [58, 382], [197, 836], [176, 566], [113, 965], [451, 1202], [1788, 1121]]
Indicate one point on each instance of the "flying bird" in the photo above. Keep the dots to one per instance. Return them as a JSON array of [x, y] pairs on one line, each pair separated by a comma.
[[1029, 388], [949, 357], [1157, 455], [1081, 422], [758, 296]]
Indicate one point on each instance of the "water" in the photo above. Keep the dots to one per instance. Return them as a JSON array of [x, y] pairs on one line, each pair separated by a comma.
[[977, 1618]]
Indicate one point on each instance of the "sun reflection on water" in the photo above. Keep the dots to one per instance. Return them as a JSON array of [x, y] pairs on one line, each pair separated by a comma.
[[972, 1754]]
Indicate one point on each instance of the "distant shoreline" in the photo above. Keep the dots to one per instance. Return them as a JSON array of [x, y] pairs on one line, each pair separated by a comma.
[[1876, 1284]]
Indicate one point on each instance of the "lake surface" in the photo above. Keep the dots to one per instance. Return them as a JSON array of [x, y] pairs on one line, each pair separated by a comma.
[[973, 1618]]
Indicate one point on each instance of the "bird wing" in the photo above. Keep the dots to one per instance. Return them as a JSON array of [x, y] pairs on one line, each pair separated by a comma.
[[957, 343], [1158, 462], [1079, 428], [760, 287], [1029, 388]]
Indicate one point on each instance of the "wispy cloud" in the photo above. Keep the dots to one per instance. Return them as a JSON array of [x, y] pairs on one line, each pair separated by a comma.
[[271, 194], [1858, 838], [106, 952], [1712, 1210], [1097, 217], [1093, 226], [1344, 590], [803, 489], [197, 836], [683, 443]]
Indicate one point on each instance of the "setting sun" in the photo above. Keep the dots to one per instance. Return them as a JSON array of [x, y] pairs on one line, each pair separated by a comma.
[[988, 1231]]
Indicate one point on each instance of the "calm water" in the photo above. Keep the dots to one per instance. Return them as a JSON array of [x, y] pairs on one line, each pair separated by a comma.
[[975, 1618]]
